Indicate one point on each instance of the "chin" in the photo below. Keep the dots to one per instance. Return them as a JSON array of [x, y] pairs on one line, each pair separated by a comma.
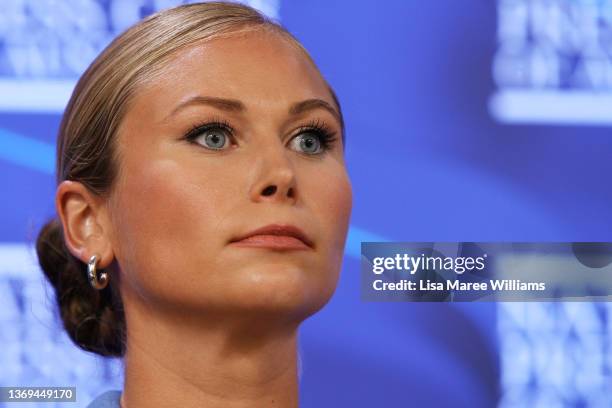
[[287, 290]]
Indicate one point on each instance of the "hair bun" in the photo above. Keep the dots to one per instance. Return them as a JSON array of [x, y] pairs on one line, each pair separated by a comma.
[[92, 318]]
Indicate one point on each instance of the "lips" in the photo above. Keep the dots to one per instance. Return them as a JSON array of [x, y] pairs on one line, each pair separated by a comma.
[[275, 236]]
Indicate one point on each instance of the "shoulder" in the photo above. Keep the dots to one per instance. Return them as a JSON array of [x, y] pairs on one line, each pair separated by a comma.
[[109, 399]]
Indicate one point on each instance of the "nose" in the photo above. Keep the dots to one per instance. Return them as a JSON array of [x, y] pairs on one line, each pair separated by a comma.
[[275, 179]]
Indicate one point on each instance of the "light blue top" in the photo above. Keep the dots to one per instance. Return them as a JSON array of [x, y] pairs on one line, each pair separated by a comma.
[[109, 399]]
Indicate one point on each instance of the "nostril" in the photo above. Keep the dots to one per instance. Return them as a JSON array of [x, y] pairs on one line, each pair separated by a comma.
[[269, 190]]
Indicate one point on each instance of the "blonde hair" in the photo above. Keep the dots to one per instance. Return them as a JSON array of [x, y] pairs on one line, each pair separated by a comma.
[[94, 319]]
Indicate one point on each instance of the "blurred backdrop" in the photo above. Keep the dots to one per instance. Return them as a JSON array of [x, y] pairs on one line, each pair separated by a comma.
[[472, 120]]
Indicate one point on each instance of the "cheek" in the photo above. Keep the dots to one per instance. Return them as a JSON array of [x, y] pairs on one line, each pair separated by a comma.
[[161, 198], [166, 215], [331, 204]]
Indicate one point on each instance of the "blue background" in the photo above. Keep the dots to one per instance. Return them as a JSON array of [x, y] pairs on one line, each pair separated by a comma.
[[427, 162]]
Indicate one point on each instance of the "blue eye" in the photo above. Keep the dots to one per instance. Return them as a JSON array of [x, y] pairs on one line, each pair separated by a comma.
[[307, 142], [213, 136], [215, 139], [316, 138]]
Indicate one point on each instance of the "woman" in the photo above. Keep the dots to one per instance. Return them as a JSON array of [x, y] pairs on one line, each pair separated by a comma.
[[203, 204]]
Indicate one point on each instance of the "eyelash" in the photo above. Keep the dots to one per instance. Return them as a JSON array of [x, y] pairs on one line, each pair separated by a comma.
[[327, 137]]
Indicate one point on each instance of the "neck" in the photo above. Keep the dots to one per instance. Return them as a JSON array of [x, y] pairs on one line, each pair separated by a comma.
[[237, 362]]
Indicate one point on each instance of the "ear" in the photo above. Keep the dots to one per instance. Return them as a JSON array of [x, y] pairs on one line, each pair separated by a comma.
[[87, 229]]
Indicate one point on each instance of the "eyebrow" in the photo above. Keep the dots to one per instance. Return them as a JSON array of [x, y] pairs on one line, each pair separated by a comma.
[[233, 105]]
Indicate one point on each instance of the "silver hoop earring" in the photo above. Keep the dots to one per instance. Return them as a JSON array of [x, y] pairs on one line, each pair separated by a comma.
[[95, 282]]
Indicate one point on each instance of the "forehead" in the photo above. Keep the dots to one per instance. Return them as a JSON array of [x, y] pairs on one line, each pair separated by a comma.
[[260, 68]]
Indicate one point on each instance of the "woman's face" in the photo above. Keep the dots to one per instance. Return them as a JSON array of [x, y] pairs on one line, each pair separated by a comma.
[[188, 187]]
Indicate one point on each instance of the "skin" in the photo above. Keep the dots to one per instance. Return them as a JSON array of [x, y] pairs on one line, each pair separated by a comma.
[[211, 323]]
